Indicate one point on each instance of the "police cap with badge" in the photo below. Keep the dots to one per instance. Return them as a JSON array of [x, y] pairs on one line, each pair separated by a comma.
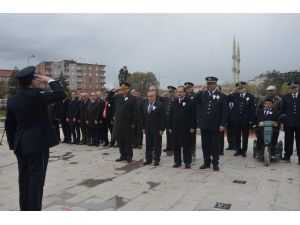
[[211, 79], [25, 75], [293, 84], [188, 84], [241, 84], [171, 88]]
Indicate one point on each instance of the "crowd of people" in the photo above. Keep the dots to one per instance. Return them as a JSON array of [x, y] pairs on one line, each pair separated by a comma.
[[88, 119], [34, 117]]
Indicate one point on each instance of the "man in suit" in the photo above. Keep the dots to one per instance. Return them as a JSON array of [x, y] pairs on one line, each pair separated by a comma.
[[212, 118], [137, 133], [291, 108], [73, 117], [125, 120], [191, 94], [92, 120], [84, 100], [153, 125], [243, 113], [229, 127], [108, 121], [62, 109], [30, 134], [99, 126], [167, 103], [181, 124], [268, 112]]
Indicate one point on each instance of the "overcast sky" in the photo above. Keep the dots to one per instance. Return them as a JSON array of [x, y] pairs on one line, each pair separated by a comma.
[[177, 47]]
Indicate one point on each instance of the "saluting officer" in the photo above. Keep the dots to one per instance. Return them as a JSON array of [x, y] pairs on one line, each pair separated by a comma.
[[167, 103], [125, 120], [30, 134], [291, 107], [212, 116], [243, 113], [191, 94]]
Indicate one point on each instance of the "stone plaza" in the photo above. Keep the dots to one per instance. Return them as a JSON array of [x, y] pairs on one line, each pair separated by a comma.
[[86, 178]]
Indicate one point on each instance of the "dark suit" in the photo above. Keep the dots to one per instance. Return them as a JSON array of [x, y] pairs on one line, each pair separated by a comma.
[[181, 119], [167, 102], [53, 114], [153, 121], [100, 133], [62, 108], [243, 113], [30, 135], [92, 115], [125, 115], [73, 117], [191, 96], [212, 114], [291, 107], [229, 127], [83, 118], [107, 120], [137, 132], [266, 115]]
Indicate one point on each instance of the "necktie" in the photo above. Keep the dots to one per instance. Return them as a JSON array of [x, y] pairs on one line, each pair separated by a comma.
[[294, 96], [149, 108]]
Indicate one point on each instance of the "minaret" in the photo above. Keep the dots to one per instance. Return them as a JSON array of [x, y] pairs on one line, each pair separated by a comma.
[[234, 56], [238, 59]]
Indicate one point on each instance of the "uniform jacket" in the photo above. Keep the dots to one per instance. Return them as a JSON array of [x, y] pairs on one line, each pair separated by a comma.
[[291, 107], [212, 110], [243, 109], [27, 124], [82, 110]]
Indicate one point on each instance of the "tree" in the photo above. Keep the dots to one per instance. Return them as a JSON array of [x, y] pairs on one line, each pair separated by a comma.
[[142, 81], [63, 82], [13, 83], [2, 89]]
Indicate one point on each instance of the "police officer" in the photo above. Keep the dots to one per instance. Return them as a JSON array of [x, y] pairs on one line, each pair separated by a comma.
[[30, 134], [212, 117], [153, 125], [125, 120], [291, 107], [243, 113], [92, 120], [191, 94], [167, 103]]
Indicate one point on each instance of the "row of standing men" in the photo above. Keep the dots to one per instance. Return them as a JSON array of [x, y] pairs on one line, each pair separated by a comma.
[[179, 112]]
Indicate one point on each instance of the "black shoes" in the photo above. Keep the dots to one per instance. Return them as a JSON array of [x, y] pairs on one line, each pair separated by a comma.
[[288, 160], [156, 163], [187, 166], [129, 160], [106, 144], [221, 153], [204, 166], [216, 168], [120, 159], [237, 154], [244, 154], [146, 163], [176, 165]]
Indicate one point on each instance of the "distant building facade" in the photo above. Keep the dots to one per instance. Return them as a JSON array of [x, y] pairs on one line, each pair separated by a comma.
[[5, 75], [80, 76]]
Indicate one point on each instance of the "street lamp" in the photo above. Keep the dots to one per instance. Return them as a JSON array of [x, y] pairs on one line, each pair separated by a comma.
[[32, 56]]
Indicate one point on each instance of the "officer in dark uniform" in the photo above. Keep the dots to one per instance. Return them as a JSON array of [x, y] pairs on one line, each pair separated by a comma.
[[221, 149], [137, 133], [30, 134], [191, 94], [125, 120], [82, 117], [243, 113], [167, 103], [291, 107], [181, 124], [73, 117], [153, 125], [212, 118]]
